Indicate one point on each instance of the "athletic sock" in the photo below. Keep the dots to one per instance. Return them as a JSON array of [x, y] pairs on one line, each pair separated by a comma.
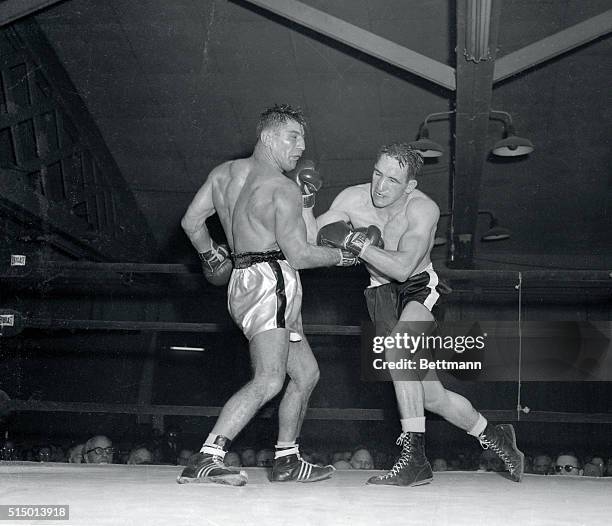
[[211, 448], [284, 449], [413, 425], [479, 426]]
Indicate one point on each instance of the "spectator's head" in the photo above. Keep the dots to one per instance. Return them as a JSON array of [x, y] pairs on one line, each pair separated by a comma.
[[184, 456], [43, 454], [98, 450], [7, 451], [140, 455], [336, 456], [342, 464], [439, 464], [232, 459], [362, 459], [321, 457], [599, 461], [75, 454], [592, 470], [264, 458], [608, 468], [489, 461], [542, 465], [248, 458], [58, 454], [567, 464]]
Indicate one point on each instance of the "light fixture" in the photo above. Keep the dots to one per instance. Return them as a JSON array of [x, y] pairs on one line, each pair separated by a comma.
[[494, 233], [511, 145], [424, 145]]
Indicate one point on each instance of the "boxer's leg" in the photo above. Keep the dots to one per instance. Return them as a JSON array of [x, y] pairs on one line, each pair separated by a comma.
[[303, 371], [412, 467], [268, 352]]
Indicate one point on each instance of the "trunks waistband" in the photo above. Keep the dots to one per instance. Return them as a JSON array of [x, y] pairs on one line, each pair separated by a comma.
[[246, 259]]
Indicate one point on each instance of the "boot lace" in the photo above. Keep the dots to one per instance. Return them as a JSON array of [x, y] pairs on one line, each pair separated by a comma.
[[487, 443], [405, 441]]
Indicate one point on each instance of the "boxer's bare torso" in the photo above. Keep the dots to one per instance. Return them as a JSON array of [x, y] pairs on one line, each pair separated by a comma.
[[394, 221], [244, 194]]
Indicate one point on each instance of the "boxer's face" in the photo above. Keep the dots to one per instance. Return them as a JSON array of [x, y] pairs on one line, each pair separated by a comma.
[[286, 144], [389, 182]]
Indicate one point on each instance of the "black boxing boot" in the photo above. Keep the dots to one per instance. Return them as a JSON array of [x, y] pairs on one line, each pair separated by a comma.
[[502, 440], [411, 468], [289, 466], [208, 466]]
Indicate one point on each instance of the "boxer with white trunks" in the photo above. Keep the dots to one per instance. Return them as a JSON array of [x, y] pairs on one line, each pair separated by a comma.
[[267, 222]]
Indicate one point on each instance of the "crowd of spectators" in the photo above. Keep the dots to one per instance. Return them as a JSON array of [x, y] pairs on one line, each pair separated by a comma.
[[167, 449]]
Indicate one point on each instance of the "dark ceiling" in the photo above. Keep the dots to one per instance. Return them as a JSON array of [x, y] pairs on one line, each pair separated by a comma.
[[176, 87]]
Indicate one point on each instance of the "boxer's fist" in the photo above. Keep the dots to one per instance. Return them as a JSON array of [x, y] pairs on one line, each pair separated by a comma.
[[347, 259], [308, 178], [216, 264], [374, 234], [341, 235]]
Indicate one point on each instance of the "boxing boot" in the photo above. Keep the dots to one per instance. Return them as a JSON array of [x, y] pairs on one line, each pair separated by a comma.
[[502, 440], [293, 467], [209, 466], [411, 468]]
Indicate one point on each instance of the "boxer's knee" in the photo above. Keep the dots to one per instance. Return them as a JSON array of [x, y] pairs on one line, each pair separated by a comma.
[[267, 386]]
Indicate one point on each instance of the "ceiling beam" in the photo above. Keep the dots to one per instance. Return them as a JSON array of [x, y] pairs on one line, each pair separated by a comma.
[[552, 46], [473, 105], [362, 40], [11, 10]]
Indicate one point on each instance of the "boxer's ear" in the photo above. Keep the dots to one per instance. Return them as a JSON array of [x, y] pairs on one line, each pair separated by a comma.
[[412, 184]]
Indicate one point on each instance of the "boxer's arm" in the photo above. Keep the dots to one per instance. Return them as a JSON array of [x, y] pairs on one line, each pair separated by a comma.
[[339, 210], [311, 225], [290, 231], [194, 220], [413, 245]]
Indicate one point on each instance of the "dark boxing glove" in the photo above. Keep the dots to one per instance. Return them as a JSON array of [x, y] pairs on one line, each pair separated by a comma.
[[216, 264], [374, 234], [308, 178], [341, 235]]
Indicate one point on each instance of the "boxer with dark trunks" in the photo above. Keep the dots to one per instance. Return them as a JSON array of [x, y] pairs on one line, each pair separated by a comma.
[[401, 295], [266, 222]]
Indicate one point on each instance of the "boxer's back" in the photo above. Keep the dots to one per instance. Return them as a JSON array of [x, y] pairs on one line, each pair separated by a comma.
[[243, 195]]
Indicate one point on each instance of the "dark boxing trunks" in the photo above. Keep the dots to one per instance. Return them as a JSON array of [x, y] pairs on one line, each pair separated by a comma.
[[386, 302]]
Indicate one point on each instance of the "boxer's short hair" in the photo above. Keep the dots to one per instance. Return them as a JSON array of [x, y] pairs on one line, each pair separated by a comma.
[[280, 114], [405, 155]]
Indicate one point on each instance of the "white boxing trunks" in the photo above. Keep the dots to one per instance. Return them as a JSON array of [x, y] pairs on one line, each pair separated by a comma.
[[264, 293]]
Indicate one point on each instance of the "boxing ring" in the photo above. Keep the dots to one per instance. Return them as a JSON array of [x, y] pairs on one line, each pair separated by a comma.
[[121, 494], [148, 495]]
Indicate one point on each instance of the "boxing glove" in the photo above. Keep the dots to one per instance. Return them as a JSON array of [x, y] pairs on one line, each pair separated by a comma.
[[374, 234], [347, 259], [307, 177], [216, 264], [341, 235]]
